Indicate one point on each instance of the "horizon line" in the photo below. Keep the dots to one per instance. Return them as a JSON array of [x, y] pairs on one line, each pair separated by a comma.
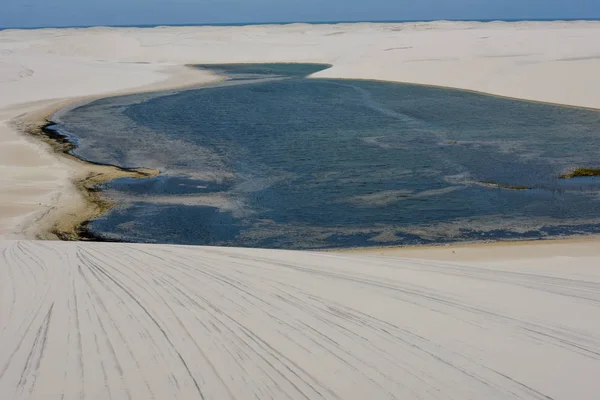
[[318, 22]]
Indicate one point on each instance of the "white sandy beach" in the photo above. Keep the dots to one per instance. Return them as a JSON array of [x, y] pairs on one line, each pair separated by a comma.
[[95, 321]]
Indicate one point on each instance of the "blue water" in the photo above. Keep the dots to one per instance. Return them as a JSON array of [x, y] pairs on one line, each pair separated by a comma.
[[273, 159]]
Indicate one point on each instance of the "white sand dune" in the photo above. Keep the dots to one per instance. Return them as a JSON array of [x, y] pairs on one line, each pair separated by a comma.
[[121, 321], [98, 321]]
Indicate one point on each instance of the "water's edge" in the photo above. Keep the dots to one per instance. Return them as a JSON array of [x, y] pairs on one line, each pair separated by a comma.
[[93, 191], [90, 186], [99, 174]]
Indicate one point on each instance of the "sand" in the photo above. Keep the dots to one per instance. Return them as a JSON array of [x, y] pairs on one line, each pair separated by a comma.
[[490, 252], [93, 320], [97, 320]]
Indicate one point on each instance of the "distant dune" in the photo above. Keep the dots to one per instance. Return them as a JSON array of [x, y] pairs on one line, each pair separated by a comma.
[[121, 321]]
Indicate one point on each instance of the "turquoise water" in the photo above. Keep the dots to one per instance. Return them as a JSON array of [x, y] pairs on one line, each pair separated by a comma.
[[273, 159]]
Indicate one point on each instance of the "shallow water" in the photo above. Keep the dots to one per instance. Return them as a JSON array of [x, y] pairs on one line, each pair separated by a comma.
[[273, 159]]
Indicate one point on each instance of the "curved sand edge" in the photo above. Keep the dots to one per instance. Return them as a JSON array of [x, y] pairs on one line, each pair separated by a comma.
[[81, 201]]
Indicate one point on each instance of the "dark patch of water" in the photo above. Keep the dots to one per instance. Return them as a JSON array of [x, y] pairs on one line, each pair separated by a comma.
[[254, 71]]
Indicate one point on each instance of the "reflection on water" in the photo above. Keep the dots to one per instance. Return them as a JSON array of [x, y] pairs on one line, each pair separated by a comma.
[[274, 159]]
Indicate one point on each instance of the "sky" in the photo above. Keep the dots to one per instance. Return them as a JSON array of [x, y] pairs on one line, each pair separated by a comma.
[[38, 13]]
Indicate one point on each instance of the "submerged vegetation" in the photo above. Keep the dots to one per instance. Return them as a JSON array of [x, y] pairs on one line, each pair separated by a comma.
[[581, 172]]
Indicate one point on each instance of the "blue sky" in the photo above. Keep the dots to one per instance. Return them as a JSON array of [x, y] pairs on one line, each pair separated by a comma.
[[33, 13]]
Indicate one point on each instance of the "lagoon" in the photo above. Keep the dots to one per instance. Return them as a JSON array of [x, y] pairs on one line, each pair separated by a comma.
[[271, 158]]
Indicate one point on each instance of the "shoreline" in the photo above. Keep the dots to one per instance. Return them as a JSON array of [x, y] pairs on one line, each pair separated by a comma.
[[67, 220], [575, 246], [98, 174], [95, 204]]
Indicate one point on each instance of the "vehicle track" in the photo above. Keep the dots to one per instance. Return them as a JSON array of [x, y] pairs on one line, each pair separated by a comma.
[[129, 321]]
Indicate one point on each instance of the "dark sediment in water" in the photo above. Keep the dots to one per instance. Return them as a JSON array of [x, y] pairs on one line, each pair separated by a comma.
[[75, 225]]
